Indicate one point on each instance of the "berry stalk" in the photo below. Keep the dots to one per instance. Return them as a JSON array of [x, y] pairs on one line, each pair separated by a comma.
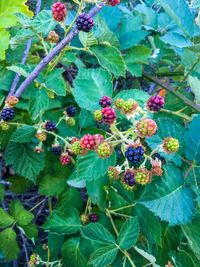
[[34, 74], [26, 51]]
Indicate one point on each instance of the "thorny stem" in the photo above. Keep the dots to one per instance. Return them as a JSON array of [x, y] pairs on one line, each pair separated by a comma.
[[26, 51], [34, 74], [171, 90]]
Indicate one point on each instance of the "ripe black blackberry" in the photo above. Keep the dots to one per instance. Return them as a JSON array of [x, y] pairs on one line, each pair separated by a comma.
[[129, 178], [7, 114], [50, 126], [84, 22], [135, 154], [71, 111], [56, 150]]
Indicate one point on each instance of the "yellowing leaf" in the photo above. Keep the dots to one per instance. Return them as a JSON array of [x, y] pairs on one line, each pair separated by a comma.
[[8, 8], [4, 37]]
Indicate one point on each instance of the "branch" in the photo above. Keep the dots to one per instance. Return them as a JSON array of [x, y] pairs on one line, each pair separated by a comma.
[[171, 90], [34, 74], [26, 51]]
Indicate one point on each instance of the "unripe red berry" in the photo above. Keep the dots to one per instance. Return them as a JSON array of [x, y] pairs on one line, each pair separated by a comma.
[[109, 115], [59, 11], [88, 142], [105, 101], [155, 103], [12, 101], [146, 127], [113, 2], [65, 159], [98, 139], [53, 37]]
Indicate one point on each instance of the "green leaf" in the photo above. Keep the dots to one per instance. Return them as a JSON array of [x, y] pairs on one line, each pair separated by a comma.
[[110, 58], [43, 22], [104, 256], [2, 191], [51, 185], [71, 254], [151, 227], [64, 223], [23, 134], [22, 216], [55, 82], [24, 160], [31, 230], [97, 233], [170, 200], [8, 244], [39, 103], [138, 95], [91, 166], [195, 84], [87, 39], [89, 86], [6, 219], [129, 233], [135, 58], [103, 33], [5, 36], [86, 119], [192, 140], [191, 232], [180, 13]]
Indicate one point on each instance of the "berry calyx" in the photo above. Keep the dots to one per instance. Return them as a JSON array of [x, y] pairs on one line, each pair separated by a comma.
[[12, 101], [59, 11], [50, 126], [170, 145], [93, 217], [38, 149], [71, 111], [142, 176], [128, 180], [109, 115], [113, 2], [156, 167], [155, 103], [77, 149], [41, 136], [135, 154], [146, 127], [104, 150], [53, 37], [7, 114], [113, 173], [84, 22], [84, 218], [88, 142], [98, 115], [105, 101], [65, 159], [56, 149]]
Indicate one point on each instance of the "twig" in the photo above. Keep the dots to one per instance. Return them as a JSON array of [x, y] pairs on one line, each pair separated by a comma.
[[171, 90], [24, 246], [34, 74], [26, 51]]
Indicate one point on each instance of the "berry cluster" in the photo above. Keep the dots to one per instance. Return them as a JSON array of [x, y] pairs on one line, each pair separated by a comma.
[[53, 37], [106, 114], [126, 106]]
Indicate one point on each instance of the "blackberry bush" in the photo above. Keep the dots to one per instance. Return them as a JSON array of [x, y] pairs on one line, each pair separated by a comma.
[[99, 133]]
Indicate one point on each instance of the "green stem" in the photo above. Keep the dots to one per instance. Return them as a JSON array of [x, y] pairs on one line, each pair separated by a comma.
[[125, 207], [178, 114]]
